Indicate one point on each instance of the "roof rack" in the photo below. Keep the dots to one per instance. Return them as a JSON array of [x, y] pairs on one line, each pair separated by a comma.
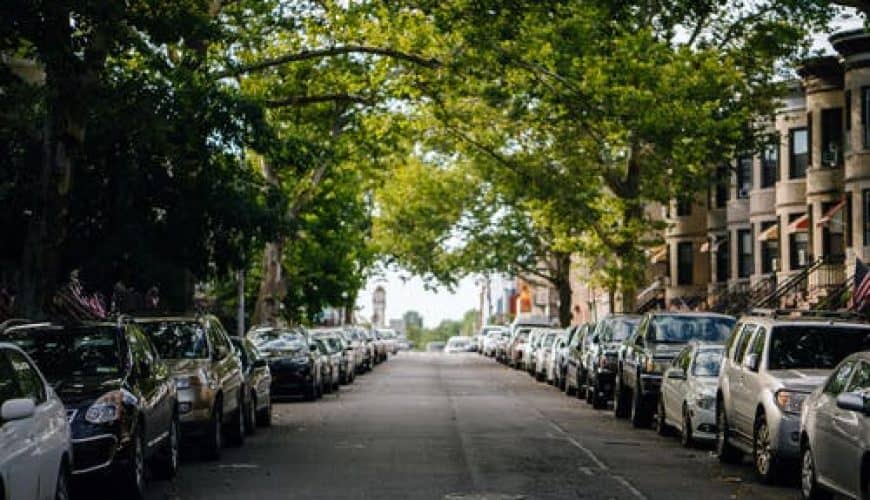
[[9, 323], [807, 314]]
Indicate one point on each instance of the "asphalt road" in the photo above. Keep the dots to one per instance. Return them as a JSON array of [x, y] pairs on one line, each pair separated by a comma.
[[433, 426]]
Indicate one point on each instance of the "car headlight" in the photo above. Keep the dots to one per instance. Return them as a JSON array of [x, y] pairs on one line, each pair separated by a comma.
[[650, 365], [790, 401], [109, 407], [705, 402]]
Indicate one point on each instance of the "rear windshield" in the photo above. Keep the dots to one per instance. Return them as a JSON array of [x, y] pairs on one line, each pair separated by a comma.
[[707, 363], [262, 337], [178, 340], [71, 352], [617, 329], [814, 346], [682, 329]]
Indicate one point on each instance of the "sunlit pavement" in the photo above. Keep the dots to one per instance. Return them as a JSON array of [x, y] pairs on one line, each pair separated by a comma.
[[457, 426]]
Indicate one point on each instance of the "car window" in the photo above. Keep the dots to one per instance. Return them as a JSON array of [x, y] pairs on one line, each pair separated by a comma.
[[742, 343], [616, 329], [707, 363], [757, 346], [28, 379], [837, 381], [861, 378], [814, 346], [178, 340], [142, 357], [686, 360], [679, 329], [678, 359], [243, 353], [9, 388]]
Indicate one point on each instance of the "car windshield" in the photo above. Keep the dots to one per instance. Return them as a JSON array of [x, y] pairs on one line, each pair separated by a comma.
[[71, 352], [458, 343], [178, 340], [617, 329], [814, 346], [263, 337], [548, 340], [334, 344], [707, 363], [523, 334], [682, 329]]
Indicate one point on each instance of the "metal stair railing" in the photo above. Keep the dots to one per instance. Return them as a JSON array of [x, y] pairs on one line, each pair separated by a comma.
[[771, 300]]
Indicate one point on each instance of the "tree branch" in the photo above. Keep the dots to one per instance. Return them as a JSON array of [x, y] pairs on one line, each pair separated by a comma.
[[329, 52], [303, 100]]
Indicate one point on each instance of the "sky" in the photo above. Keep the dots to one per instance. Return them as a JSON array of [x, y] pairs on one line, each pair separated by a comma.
[[410, 295]]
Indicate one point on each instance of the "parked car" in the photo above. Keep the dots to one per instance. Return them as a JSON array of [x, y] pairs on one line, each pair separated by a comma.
[[544, 352], [574, 369], [208, 378], [556, 361], [35, 436], [835, 431], [356, 340], [770, 366], [688, 396], [258, 385], [457, 344], [389, 337], [380, 346], [532, 349], [437, 346], [650, 349], [332, 364], [601, 356], [296, 368], [491, 337], [517, 347], [120, 397], [336, 344]]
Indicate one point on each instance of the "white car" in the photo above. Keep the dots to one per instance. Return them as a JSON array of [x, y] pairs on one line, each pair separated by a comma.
[[34, 432], [458, 344], [687, 401]]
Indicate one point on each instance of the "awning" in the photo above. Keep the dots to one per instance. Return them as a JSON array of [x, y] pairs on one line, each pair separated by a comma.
[[802, 223], [659, 254], [831, 213], [769, 234]]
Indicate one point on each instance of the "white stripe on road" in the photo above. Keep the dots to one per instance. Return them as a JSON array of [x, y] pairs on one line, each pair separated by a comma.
[[630, 487]]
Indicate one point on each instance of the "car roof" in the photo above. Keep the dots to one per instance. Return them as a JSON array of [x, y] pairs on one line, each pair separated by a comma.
[[691, 314], [803, 320], [861, 355]]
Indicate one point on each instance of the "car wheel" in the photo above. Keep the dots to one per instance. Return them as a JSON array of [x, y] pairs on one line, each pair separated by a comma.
[[236, 429], [810, 488], [686, 435], [762, 453], [570, 390], [134, 475], [639, 412], [725, 451], [61, 489], [167, 462], [621, 400], [251, 415], [264, 416], [662, 427], [214, 440]]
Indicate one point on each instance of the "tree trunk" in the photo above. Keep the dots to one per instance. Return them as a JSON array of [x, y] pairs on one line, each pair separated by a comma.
[[563, 286]]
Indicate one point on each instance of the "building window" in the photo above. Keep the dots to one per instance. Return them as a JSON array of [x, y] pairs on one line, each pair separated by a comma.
[[723, 176], [684, 208], [684, 263], [723, 264], [770, 165], [798, 244], [769, 250], [745, 263], [798, 147], [744, 176], [865, 115], [832, 137], [866, 215]]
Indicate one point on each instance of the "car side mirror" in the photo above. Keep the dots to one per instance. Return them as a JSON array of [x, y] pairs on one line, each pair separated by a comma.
[[17, 409], [676, 374], [312, 347], [260, 363], [854, 402], [752, 362]]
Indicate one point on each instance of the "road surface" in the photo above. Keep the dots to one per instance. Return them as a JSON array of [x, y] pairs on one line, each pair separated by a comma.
[[435, 426]]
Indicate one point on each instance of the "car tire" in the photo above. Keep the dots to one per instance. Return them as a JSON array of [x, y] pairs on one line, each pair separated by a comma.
[[251, 415], [686, 438], [764, 461], [621, 400], [661, 424], [640, 418], [725, 451], [213, 444], [264, 416], [167, 461], [61, 489], [599, 402], [236, 429], [810, 488], [133, 476]]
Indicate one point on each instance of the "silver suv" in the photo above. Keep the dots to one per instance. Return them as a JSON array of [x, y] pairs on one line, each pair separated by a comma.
[[769, 367]]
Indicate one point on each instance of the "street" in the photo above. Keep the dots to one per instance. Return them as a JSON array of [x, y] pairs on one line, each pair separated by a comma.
[[432, 426]]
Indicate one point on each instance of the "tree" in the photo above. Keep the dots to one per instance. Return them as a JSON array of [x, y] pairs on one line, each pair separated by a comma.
[[412, 319]]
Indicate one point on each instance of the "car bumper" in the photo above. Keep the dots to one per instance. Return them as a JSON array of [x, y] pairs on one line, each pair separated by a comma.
[[785, 435], [651, 384], [96, 453], [603, 382], [703, 423], [194, 405]]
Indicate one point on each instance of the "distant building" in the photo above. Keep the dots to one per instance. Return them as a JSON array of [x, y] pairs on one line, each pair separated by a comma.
[[379, 306]]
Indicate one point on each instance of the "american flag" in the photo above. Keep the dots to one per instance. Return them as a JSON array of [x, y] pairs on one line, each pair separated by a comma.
[[862, 286]]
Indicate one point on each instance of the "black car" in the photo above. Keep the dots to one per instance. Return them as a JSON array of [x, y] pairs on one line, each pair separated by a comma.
[[119, 396], [647, 352], [258, 385], [601, 354], [296, 368]]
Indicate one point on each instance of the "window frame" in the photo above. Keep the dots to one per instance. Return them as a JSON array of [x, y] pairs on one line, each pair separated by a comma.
[[745, 268], [795, 172], [685, 276], [744, 176]]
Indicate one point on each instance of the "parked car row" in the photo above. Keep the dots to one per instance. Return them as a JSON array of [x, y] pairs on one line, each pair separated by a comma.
[[114, 400], [792, 392]]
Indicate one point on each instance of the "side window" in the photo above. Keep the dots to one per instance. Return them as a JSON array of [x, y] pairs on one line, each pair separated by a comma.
[[686, 360], [9, 388], [741, 343], [143, 359], [838, 380], [861, 380], [757, 346], [29, 380]]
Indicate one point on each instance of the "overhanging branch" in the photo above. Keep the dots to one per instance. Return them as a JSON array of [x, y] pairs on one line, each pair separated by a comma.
[[302, 100]]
